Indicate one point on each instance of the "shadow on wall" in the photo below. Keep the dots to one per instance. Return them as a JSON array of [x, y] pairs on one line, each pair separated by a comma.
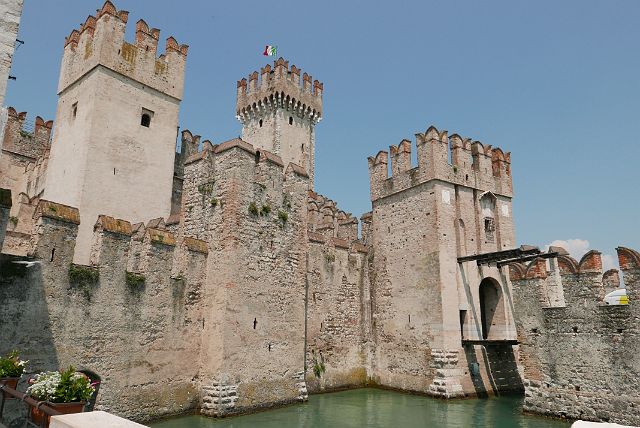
[[24, 323], [502, 367]]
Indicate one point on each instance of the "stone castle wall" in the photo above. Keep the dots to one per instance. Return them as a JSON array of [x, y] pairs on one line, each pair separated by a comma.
[[131, 333], [252, 212], [339, 346], [579, 355]]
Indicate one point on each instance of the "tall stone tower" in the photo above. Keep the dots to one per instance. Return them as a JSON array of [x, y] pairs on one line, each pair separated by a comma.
[[116, 123], [443, 309], [279, 113]]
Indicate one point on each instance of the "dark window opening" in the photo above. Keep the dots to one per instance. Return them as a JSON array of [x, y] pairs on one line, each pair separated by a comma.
[[575, 329], [53, 252], [114, 171], [302, 147], [409, 318], [255, 323], [463, 320], [260, 123], [269, 347], [290, 120], [145, 118], [74, 110], [489, 228]]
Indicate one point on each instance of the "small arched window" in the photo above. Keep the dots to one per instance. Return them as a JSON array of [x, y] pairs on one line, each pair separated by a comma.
[[290, 120], [145, 118], [260, 123]]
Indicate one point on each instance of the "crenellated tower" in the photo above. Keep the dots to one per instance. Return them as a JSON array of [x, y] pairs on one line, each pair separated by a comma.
[[116, 121], [279, 111]]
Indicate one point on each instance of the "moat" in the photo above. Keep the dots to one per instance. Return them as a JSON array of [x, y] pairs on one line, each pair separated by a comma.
[[379, 408]]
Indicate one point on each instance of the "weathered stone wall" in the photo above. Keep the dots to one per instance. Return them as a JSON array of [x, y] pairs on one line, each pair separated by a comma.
[[139, 337], [338, 314], [252, 211], [10, 13], [580, 360]]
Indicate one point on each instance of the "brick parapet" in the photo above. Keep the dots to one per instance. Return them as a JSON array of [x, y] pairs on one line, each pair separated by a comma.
[[279, 87], [21, 139], [473, 165], [100, 42]]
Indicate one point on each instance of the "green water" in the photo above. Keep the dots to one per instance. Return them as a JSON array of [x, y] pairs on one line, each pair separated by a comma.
[[379, 408]]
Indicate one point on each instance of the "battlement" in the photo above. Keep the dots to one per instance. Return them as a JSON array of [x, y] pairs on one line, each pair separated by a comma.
[[579, 281], [100, 42], [279, 87], [24, 138], [326, 219], [472, 164]]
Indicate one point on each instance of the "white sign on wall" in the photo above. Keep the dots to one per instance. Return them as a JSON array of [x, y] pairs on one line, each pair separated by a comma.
[[446, 196]]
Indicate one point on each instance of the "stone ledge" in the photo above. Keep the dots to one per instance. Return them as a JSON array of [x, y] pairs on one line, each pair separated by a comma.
[[97, 419]]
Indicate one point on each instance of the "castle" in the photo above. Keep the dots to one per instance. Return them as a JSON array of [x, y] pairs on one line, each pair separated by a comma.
[[217, 279]]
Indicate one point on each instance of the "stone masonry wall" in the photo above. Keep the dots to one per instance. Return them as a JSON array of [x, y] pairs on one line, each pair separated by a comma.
[[138, 336], [338, 346], [252, 211], [580, 360]]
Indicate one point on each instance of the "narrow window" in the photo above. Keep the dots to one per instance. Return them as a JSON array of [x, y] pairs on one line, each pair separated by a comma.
[[302, 147], [53, 253], [74, 109], [290, 120], [255, 323], [114, 171], [260, 123], [489, 228], [145, 119]]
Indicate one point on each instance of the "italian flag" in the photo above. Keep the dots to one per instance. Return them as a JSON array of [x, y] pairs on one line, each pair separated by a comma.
[[270, 50]]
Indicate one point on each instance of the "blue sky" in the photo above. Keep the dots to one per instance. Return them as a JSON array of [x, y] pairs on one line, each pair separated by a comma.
[[557, 83]]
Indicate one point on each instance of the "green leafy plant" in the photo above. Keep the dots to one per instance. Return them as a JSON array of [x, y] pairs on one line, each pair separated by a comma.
[[213, 202], [286, 201], [318, 366], [11, 365], [83, 277], [52, 208], [283, 217], [135, 281], [206, 188], [455, 169], [265, 210], [253, 209], [65, 386], [14, 220]]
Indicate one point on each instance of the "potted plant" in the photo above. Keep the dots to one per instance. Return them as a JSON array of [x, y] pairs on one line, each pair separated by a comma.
[[66, 391], [11, 368]]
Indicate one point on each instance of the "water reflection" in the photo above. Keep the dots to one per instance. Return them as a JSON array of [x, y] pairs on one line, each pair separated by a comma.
[[378, 408]]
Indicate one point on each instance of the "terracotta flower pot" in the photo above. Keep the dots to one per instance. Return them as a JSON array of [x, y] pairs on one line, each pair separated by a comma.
[[11, 382], [37, 415]]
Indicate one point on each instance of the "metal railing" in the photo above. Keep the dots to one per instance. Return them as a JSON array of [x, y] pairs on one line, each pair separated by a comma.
[[7, 393]]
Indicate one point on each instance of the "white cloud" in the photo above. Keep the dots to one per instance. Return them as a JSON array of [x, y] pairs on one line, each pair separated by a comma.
[[579, 247], [576, 247]]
